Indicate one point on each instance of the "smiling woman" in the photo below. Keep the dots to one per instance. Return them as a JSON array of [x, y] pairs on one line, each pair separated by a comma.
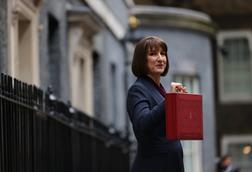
[[156, 62], [145, 106], [148, 47]]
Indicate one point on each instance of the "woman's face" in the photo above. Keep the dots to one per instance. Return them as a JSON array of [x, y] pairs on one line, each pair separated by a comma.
[[156, 61]]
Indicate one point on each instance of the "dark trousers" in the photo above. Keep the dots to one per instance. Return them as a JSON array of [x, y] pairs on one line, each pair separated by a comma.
[[158, 163]]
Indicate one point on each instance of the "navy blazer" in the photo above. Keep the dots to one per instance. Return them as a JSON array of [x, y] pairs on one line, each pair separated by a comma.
[[146, 109]]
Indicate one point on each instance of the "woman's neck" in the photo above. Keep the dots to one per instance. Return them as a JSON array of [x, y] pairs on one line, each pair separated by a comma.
[[156, 79]]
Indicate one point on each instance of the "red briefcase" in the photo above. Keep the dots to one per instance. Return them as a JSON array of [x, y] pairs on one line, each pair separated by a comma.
[[184, 116]]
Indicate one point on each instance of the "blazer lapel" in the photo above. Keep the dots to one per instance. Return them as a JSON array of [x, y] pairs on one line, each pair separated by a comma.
[[153, 91]]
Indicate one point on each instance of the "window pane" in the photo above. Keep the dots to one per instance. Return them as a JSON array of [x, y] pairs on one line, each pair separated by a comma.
[[242, 155], [114, 92], [237, 66]]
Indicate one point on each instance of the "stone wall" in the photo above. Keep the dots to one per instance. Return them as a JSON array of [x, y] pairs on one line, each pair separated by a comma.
[[3, 35], [53, 48]]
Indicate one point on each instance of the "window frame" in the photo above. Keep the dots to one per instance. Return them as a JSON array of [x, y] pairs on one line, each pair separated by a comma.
[[227, 98], [229, 139], [196, 146], [82, 90], [30, 13], [234, 139]]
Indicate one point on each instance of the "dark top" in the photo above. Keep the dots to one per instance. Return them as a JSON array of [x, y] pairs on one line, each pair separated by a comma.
[[160, 87], [146, 109]]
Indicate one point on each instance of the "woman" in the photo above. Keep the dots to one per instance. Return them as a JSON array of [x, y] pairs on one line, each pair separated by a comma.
[[146, 109]]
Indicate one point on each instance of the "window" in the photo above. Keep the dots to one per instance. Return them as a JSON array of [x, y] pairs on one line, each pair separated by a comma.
[[235, 66], [240, 148], [23, 63], [192, 149], [83, 65], [113, 87], [54, 55], [81, 75], [81, 70], [97, 91]]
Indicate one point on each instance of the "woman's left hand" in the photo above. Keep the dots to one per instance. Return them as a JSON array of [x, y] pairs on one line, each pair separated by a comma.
[[178, 88]]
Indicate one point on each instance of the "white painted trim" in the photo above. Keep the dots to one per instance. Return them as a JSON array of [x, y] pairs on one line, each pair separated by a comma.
[[80, 48], [18, 8], [104, 12], [221, 36], [192, 83], [196, 153], [230, 139]]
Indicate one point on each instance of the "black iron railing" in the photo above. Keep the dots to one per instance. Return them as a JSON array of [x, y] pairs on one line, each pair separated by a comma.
[[41, 134]]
